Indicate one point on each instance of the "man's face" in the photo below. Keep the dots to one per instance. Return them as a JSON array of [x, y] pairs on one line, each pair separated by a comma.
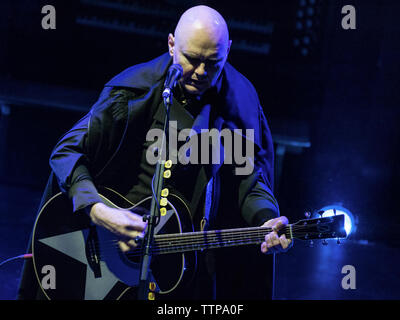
[[202, 59]]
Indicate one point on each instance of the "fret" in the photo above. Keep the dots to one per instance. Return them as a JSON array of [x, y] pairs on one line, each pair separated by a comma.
[[290, 232]]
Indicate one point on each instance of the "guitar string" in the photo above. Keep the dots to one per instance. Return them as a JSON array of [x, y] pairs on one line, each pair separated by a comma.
[[201, 235], [166, 243], [163, 242], [189, 246], [193, 238], [178, 236], [227, 232], [178, 249], [183, 239]]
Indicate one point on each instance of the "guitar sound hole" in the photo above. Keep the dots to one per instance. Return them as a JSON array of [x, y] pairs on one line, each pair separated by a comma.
[[134, 255]]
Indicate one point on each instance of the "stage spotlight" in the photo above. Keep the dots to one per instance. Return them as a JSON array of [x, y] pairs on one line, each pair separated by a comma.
[[331, 210]]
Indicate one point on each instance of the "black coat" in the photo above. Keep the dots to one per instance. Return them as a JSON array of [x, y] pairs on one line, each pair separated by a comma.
[[98, 149], [101, 143]]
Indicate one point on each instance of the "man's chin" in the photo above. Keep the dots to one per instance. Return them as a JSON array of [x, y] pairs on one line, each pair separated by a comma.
[[194, 90]]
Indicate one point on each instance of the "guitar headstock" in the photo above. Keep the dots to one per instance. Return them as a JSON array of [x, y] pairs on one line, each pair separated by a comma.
[[319, 228]]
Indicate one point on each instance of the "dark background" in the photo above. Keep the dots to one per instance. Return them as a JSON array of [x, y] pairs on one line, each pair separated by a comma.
[[331, 97]]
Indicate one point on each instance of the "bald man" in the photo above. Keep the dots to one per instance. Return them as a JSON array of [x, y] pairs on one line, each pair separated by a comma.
[[201, 45], [108, 148]]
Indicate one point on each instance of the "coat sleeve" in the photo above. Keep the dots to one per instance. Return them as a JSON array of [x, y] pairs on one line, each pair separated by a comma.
[[256, 197], [73, 160], [259, 204]]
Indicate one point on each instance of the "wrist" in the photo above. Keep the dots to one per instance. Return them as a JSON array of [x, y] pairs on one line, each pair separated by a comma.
[[91, 209]]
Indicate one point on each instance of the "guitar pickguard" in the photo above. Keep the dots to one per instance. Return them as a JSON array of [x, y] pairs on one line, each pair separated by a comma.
[[72, 244]]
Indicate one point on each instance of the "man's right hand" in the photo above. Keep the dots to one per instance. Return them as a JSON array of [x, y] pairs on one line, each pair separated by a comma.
[[124, 223]]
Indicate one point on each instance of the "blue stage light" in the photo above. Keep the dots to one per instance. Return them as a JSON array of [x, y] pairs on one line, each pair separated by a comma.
[[349, 223]]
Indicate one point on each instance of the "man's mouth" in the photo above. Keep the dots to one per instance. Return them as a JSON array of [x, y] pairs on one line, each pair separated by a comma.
[[197, 83]]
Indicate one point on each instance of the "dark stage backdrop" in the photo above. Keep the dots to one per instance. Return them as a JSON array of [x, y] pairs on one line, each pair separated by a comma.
[[331, 97]]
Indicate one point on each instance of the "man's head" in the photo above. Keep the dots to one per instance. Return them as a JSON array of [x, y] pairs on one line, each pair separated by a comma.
[[200, 45]]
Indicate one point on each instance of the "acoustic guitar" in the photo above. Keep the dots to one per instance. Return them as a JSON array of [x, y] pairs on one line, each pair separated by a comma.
[[77, 260]]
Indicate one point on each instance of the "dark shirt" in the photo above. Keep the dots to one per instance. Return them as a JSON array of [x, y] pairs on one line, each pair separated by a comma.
[[183, 175]]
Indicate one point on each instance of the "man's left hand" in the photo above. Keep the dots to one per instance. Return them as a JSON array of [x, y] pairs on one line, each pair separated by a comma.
[[274, 243]]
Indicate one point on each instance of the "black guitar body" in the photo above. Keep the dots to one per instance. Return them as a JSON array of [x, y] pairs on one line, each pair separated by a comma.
[[73, 259], [76, 260]]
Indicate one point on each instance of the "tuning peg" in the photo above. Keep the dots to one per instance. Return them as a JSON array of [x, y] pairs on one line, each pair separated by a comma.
[[311, 244], [321, 212], [334, 211], [324, 242], [307, 214], [338, 241]]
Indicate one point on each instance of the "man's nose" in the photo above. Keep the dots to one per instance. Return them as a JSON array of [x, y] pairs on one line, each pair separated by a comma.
[[201, 71]]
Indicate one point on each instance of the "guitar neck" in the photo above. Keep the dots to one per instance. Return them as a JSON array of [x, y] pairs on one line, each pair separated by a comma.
[[192, 241], [321, 228]]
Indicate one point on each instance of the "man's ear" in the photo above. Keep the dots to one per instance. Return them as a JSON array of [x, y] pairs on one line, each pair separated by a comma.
[[171, 44], [229, 47]]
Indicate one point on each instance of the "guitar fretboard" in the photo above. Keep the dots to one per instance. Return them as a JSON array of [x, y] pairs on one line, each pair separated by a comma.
[[191, 241]]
